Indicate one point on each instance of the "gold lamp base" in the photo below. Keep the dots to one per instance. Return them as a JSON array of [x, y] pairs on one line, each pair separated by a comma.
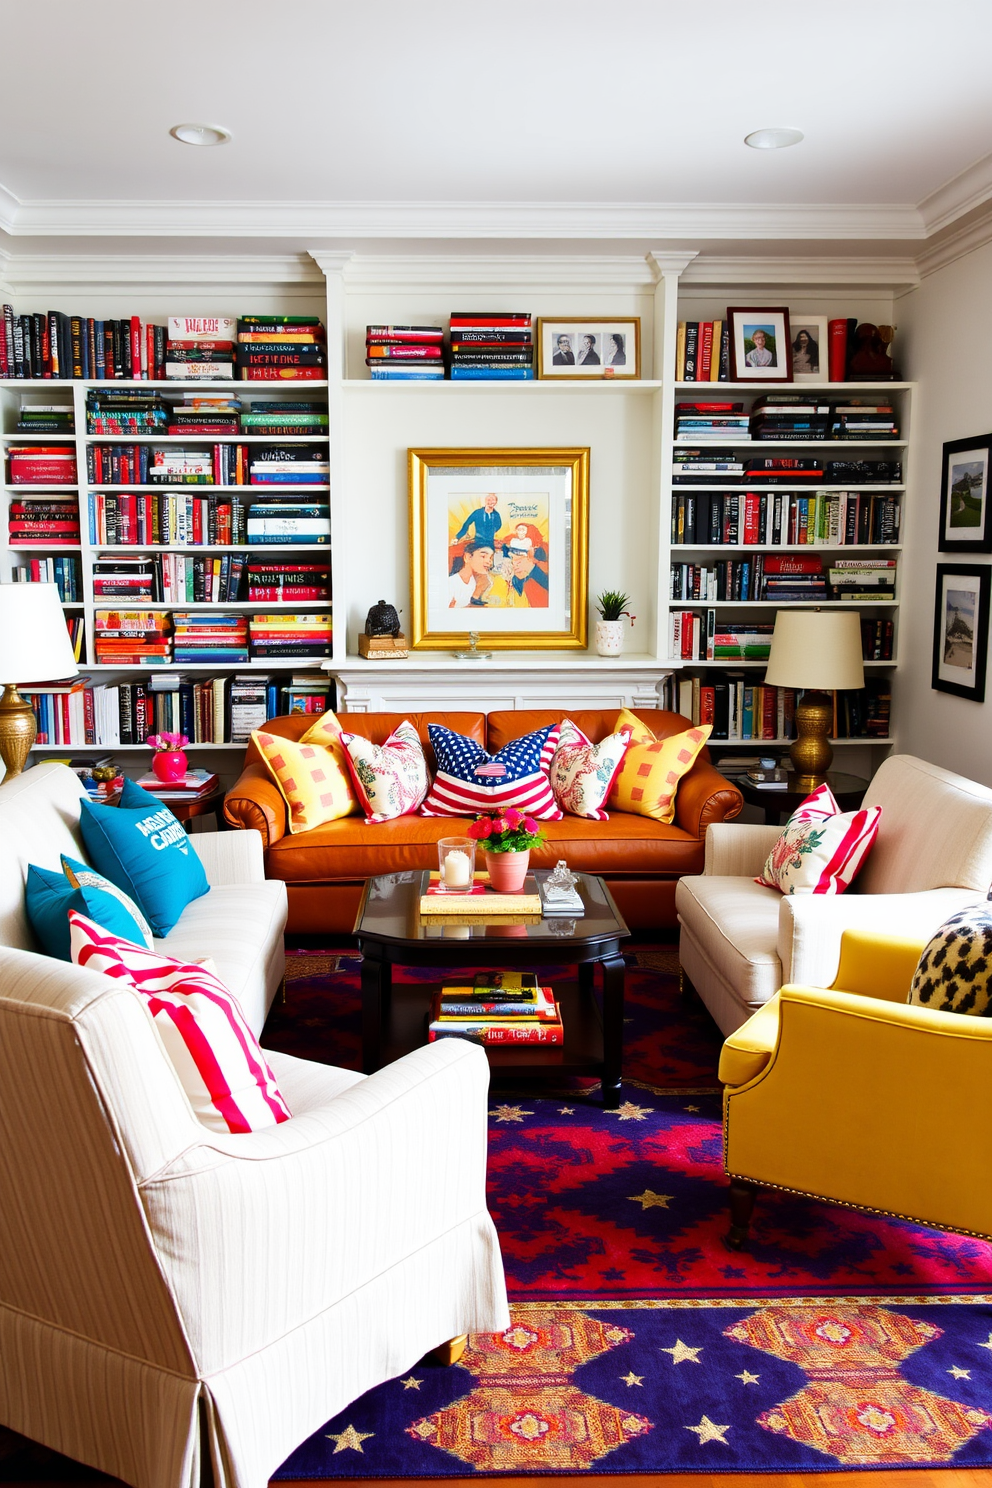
[[17, 730], [811, 753]]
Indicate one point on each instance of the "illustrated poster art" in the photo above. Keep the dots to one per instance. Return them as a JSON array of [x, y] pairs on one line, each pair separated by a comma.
[[499, 550]]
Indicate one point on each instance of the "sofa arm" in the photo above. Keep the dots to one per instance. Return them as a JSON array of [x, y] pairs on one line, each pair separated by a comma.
[[230, 858], [704, 796], [738, 851], [255, 801]]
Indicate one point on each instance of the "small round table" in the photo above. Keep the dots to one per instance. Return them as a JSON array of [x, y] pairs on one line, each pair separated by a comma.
[[776, 802]]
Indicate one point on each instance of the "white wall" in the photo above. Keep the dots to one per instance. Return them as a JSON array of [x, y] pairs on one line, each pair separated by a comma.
[[944, 339]]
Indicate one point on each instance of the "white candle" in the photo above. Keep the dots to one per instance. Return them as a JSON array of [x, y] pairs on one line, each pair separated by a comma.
[[457, 870]]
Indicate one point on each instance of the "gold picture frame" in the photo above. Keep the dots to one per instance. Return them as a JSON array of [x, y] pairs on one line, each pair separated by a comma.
[[613, 345], [499, 540]]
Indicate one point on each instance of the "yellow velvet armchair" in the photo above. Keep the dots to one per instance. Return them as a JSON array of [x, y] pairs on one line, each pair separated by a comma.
[[848, 1094]]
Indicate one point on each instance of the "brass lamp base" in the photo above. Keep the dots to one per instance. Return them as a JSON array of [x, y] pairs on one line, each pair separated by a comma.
[[17, 730], [811, 753]]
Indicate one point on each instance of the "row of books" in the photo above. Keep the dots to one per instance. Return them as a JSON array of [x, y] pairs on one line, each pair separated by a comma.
[[786, 577], [45, 418], [65, 572], [702, 352], [51, 521], [785, 518], [723, 466], [253, 347], [141, 411], [741, 709], [497, 1008], [695, 635], [492, 344], [208, 710], [195, 637], [402, 353], [123, 519], [219, 464], [783, 416], [227, 577], [41, 464]]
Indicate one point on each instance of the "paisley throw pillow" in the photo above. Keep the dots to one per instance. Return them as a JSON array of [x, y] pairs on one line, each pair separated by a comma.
[[390, 779], [820, 850], [582, 773]]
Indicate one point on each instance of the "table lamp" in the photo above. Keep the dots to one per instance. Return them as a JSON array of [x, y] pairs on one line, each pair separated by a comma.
[[34, 647], [820, 651]]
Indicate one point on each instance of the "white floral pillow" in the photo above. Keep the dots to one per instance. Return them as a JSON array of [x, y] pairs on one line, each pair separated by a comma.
[[390, 779], [582, 773], [821, 849]]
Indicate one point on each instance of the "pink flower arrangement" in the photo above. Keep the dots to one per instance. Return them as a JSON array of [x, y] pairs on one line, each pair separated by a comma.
[[167, 742], [507, 831]]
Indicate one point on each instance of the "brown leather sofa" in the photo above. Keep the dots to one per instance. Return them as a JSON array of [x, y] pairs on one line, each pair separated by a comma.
[[324, 869]]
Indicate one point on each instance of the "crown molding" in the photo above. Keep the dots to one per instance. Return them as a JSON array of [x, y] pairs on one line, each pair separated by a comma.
[[405, 271], [957, 245], [957, 197], [9, 208], [893, 272], [157, 271]]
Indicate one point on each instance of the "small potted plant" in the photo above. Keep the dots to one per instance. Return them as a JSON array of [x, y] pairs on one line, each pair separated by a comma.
[[168, 762], [506, 838], [611, 604]]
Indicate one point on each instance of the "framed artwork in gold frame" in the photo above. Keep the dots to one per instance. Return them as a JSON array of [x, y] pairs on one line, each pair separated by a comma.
[[499, 545], [576, 349]]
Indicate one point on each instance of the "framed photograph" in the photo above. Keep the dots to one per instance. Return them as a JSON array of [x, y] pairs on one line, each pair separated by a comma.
[[961, 629], [760, 345], [964, 486], [808, 344], [499, 545], [577, 349]]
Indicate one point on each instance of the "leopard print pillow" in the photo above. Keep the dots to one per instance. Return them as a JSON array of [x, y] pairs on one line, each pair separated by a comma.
[[955, 970]]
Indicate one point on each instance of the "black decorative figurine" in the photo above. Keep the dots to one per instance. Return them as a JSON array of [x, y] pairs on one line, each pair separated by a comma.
[[382, 620]]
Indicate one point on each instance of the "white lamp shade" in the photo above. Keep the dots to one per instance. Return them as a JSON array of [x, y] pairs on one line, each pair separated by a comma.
[[34, 643], [817, 650]]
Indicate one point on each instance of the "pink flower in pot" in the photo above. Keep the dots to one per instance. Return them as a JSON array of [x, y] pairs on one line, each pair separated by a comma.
[[169, 763]]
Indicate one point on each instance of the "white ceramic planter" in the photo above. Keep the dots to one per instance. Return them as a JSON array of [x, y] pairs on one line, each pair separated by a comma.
[[609, 637]]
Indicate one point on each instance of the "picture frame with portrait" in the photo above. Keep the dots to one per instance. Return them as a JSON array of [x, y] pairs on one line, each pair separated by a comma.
[[581, 350], [961, 629], [965, 518], [808, 348], [760, 345], [499, 546]]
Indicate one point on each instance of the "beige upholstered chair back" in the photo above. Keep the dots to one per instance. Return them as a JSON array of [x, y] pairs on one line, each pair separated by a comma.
[[935, 832], [39, 820]]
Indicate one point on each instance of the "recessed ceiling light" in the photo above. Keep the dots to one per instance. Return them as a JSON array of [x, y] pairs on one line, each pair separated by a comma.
[[200, 134], [773, 139]]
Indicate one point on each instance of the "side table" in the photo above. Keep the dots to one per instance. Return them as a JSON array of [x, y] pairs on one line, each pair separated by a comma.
[[848, 791], [209, 805]]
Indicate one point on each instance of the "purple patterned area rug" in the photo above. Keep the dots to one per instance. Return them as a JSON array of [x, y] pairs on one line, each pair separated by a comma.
[[638, 1343]]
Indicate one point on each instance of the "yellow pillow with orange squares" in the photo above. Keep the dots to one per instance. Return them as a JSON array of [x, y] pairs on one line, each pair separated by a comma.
[[310, 772], [650, 771]]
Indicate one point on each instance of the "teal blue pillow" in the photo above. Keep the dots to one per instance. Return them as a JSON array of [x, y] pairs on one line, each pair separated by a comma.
[[50, 896], [141, 847]]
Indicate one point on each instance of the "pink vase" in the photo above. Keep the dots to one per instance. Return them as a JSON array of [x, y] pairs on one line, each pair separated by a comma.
[[507, 871], [169, 765]]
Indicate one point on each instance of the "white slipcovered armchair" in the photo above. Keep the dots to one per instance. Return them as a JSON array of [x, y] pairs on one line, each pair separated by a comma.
[[739, 942]]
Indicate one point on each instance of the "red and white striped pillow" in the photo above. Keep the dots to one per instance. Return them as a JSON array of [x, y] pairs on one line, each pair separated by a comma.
[[822, 849], [216, 1056]]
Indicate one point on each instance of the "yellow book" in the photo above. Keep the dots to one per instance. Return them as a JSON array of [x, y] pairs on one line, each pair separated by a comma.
[[680, 353], [715, 353]]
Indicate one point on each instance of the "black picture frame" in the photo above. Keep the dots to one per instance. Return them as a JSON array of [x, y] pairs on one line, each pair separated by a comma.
[[955, 516], [969, 602]]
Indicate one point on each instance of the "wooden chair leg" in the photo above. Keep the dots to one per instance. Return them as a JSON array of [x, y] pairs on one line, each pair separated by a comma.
[[742, 1197], [451, 1352]]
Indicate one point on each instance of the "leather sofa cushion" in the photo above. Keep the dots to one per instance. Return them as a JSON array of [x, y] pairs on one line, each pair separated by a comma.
[[377, 727]]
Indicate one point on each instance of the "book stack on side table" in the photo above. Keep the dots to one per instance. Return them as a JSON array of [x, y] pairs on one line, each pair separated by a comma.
[[499, 1007]]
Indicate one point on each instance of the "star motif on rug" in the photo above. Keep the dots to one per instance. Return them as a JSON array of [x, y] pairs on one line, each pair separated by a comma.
[[411, 1384], [349, 1439], [987, 1345], [566, 1110], [692, 1108], [510, 1113], [680, 1353], [632, 1379], [959, 1373], [629, 1112], [651, 1200], [707, 1431], [747, 1378]]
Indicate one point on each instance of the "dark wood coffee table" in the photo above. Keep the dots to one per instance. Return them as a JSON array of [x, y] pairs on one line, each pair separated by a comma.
[[390, 932]]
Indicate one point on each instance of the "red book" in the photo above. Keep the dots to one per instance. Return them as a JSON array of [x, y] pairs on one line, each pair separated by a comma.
[[837, 349], [136, 347], [705, 351], [769, 707], [752, 512], [150, 349], [792, 563]]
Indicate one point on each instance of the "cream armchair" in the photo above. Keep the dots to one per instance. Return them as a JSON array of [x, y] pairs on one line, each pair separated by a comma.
[[739, 942], [167, 1292]]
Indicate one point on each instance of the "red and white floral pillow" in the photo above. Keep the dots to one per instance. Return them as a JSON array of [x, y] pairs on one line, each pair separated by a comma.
[[390, 779], [582, 773], [821, 849], [216, 1056]]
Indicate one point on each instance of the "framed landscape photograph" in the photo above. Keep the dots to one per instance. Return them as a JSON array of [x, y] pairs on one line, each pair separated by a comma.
[[808, 345], [961, 629], [499, 545], [760, 345], [964, 484], [583, 349]]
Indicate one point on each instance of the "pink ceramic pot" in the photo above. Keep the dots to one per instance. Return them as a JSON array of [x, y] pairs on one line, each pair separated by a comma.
[[169, 765], [507, 871]]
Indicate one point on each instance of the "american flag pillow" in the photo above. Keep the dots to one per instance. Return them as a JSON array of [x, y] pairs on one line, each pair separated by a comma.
[[469, 780], [216, 1056]]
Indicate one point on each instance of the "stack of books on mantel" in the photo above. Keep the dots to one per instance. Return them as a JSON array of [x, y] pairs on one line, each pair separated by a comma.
[[499, 1007]]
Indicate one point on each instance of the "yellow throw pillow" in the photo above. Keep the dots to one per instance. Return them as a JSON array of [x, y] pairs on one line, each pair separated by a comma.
[[310, 773], [650, 772]]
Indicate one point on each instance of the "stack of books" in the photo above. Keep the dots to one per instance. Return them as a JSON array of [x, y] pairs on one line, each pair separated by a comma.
[[863, 580], [194, 785], [290, 636], [790, 416], [286, 522], [492, 344], [43, 521], [304, 694], [126, 411], [42, 465], [402, 353], [793, 576], [65, 573], [863, 472], [499, 1007], [304, 465], [277, 348], [175, 466], [133, 637], [128, 578], [45, 418], [199, 638], [747, 641], [711, 467], [281, 419], [784, 468], [249, 705], [859, 420], [699, 423], [288, 581], [200, 348], [199, 415]]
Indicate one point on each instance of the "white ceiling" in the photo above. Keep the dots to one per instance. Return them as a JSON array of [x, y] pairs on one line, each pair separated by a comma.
[[555, 118]]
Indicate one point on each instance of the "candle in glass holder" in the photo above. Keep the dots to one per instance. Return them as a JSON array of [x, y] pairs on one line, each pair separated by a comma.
[[456, 860], [457, 871]]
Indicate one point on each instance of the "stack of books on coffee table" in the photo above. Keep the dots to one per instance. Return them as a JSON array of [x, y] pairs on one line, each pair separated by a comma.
[[497, 1008]]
